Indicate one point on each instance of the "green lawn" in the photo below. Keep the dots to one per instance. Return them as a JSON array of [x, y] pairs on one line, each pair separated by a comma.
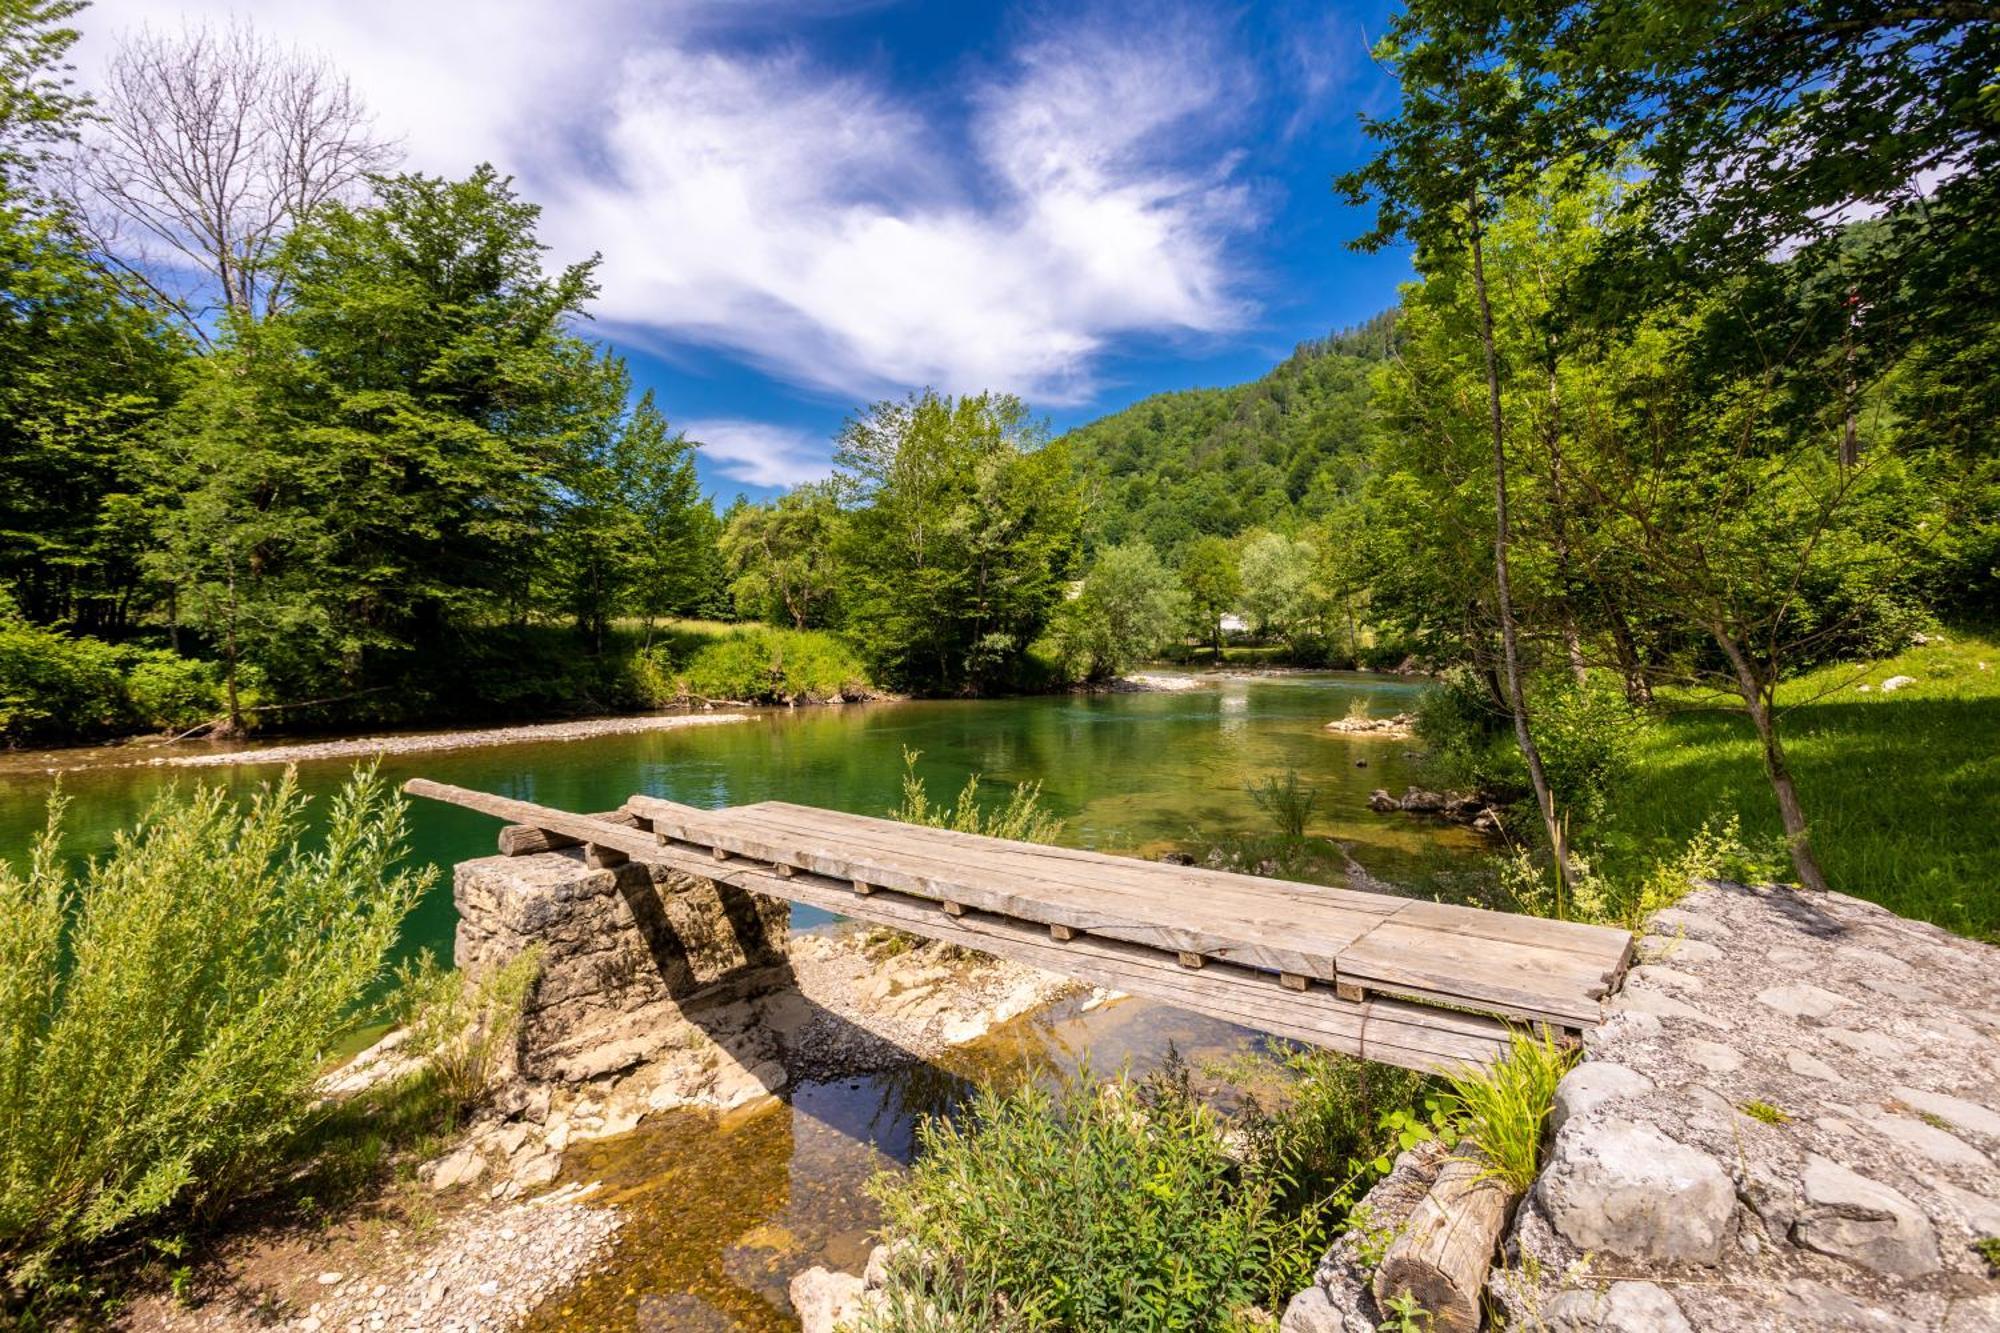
[[1902, 790]]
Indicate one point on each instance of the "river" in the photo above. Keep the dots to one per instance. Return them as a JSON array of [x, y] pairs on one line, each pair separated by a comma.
[[722, 1211], [1129, 773]]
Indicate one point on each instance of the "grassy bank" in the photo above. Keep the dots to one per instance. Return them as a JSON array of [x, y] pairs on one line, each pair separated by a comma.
[[1899, 787]]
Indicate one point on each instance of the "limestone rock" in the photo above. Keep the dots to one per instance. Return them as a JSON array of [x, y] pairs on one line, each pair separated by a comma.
[[1623, 1307], [1382, 803], [1864, 1222], [1593, 1084], [1312, 1312], [1894, 683], [461, 1168], [1815, 1305], [824, 1300], [1626, 1188], [1966, 1115]]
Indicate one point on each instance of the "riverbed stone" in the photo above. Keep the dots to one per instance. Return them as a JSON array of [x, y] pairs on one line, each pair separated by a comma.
[[1864, 1222], [1622, 1307], [824, 1300], [1626, 1188]]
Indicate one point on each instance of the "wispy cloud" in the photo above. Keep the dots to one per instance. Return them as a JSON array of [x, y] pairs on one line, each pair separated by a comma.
[[821, 224], [759, 453]]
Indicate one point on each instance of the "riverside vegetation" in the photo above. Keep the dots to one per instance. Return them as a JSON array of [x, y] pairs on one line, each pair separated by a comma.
[[1655, 476]]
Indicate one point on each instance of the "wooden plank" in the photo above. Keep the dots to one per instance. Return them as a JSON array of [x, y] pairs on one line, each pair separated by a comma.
[[1400, 1032], [527, 840], [1129, 918], [1063, 865], [1153, 916], [1598, 950], [1556, 979]]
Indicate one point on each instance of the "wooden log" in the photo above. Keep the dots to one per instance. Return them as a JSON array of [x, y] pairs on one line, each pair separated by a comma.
[[527, 840], [1446, 1247], [599, 857]]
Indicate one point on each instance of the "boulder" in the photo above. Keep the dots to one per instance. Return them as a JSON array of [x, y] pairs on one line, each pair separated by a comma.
[[1895, 683], [824, 1300], [1592, 1084], [1417, 801], [1382, 803], [1863, 1222], [1626, 1188]]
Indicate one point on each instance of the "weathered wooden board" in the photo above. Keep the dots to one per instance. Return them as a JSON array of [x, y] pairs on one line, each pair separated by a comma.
[[1236, 946], [1546, 971]]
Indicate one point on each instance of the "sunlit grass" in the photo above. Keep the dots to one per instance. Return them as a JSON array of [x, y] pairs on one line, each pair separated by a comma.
[[1898, 787]]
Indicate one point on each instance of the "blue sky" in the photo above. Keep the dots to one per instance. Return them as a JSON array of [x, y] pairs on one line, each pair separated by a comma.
[[805, 205]]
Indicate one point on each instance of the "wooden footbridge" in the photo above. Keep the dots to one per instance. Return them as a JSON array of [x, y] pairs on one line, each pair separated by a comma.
[[1398, 980]]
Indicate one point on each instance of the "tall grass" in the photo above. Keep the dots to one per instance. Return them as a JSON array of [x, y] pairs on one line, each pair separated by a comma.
[[1289, 802], [1502, 1107], [163, 1017], [462, 1025], [1133, 1206], [1022, 817]]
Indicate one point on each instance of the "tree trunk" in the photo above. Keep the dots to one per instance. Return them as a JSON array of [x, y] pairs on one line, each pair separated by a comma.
[[1757, 698], [229, 656], [1510, 651], [1638, 689]]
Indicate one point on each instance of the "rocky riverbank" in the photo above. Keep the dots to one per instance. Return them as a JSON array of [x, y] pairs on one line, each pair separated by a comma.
[[1789, 1120], [706, 1006]]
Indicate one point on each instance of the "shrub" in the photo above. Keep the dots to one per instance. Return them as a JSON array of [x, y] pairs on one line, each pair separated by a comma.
[[1135, 1206], [462, 1025], [55, 686], [1286, 800], [1589, 737], [162, 1021], [173, 692], [1468, 739], [765, 665], [1085, 1209]]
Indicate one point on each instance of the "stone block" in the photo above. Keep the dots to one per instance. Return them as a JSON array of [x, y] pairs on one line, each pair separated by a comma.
[[623, 949]]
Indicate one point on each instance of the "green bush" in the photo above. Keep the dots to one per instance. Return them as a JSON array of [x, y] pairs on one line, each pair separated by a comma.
[[1137, 1206], [1468, 739], [172, 692], [1086, 1209], [1289, 802], [1589, 738], [162, 1019], [766, 665], [1023, 818], [462, 1025], [56, 686]]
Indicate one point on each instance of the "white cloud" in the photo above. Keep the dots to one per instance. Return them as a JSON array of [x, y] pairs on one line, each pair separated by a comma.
[[759, 453], [833, 231]]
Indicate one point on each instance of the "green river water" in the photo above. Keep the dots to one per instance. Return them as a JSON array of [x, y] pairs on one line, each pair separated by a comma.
[[722, 1211]]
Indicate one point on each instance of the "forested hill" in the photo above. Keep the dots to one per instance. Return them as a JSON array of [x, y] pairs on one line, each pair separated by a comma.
[[1202, 462]]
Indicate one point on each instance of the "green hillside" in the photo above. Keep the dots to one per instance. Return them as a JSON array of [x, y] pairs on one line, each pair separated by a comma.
[[1202, 462]]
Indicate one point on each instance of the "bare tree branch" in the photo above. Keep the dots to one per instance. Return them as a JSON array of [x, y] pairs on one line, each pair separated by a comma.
[[213, 144]]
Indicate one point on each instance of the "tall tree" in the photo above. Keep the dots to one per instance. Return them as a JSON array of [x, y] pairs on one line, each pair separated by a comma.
[[1465, 136], [1213, 585], [383, 459], [782, 557], [213, 144], [962, 531]]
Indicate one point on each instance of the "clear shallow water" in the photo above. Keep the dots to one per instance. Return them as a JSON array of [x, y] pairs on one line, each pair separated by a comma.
[[722, 1212], [1130, 773]]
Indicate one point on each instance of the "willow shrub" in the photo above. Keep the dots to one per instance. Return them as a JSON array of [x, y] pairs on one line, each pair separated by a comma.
[[163, 1015], [1095, 1210]]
